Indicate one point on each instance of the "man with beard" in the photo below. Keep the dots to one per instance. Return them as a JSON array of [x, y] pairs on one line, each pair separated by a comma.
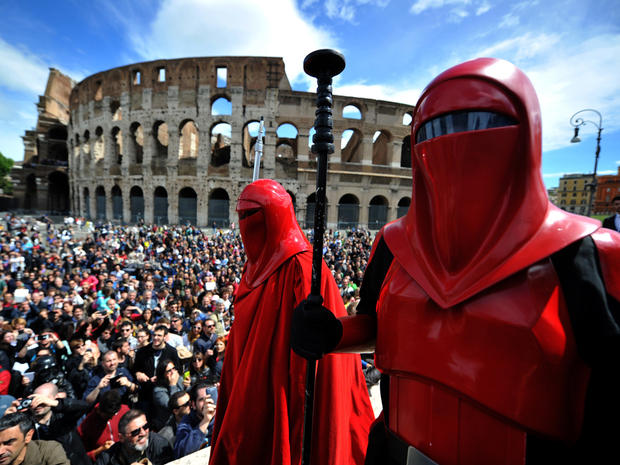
[[18, 448], [136, 443], [259, 412]]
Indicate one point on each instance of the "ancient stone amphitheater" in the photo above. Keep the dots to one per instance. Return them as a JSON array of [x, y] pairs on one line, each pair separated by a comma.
[[172, 141]]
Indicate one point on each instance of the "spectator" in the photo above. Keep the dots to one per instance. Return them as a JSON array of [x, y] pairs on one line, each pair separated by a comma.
[[18, 447], [179, 405], [168, 382], [107, 376], [194, 431], [204, 344], [99, 430], [216, 361], [136, 443]]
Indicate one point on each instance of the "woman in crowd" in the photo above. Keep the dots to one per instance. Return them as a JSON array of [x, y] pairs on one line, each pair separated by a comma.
[[216, 360], [168, 382]]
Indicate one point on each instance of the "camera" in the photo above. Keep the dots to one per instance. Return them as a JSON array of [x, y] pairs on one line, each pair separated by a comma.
[[24, 404], [114, 382]]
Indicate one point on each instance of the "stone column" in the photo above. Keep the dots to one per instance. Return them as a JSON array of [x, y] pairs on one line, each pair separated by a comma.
[[303, 149], [367, 150], [126, 203], [173, 204], [336, 157], [148, 191], [108, 201], [394, 160], [269, 153]]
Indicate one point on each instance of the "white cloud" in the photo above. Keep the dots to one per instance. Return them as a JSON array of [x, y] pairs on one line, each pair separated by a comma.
[[232, 27], [422, 5], [483, 8], [21, 70], [378, 92]]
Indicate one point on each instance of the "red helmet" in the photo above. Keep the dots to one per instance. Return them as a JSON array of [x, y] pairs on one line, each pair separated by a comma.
[[478, 198], [268, 228]]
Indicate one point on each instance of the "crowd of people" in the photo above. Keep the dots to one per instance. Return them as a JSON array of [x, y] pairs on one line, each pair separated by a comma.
[[113, 338]]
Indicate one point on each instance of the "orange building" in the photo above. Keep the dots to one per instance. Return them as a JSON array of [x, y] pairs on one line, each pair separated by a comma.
[[608, 187]]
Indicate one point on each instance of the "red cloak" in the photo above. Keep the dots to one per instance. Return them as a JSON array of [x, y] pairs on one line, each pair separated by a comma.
[[259, 413]]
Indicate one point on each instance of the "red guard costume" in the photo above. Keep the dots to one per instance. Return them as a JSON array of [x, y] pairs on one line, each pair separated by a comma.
[[260, 406], [497, 314]]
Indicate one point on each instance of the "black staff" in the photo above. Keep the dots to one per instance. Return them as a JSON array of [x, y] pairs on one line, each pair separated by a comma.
[[323, 65]]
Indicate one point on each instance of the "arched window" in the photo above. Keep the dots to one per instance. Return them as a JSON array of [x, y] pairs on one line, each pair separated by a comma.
[[136, 204], [221, 106], [407, 119], [405, 153], [160, 205], [377, 212], [219, 202], [250, 135], [117, 144], [188, 206], [137, 142], [100, 203], [98, 149], [351, 146], [403, 206], [160, 133], [188, 140], [117, 203], [380, 147], [348, 211], [220, 144], [351, 112]]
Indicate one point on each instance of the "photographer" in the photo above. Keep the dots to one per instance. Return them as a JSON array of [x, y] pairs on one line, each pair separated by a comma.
[[79, 366], [107, 376], [55, 419]]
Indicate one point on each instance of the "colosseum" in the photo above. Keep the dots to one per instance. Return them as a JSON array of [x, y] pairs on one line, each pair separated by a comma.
[[172, 141]]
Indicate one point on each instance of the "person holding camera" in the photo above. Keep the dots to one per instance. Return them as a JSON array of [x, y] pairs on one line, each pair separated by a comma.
[[109, 376], [55, 419]]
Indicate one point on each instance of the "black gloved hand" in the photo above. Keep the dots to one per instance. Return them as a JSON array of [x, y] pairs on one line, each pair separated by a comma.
[[315, 331]]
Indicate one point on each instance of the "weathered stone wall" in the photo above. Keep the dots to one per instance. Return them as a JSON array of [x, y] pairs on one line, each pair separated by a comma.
[[157, 126]]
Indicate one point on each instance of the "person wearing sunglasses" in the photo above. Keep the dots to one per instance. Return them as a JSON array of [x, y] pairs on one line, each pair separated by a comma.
[[136, 443]]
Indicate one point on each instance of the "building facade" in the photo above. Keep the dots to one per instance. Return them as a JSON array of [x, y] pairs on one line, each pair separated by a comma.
[[574, 193], [41, 180], [607, 188], [172, 141]]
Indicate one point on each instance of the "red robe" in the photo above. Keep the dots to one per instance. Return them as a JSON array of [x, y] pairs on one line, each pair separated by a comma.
[[259, 414]]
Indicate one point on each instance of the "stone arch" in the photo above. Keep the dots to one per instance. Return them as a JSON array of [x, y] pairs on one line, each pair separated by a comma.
[[219, 205], [30, 197], [86, 194], [352, 111], [115, 110], [348, 211], [98, 148], [221, 105], [160, 205], [351, 146], [377, 212], [405, 153], [117, 144], [381, 147], [117, 202], [137, 143], [160, 134], [310, 208], [221, 133], [136, 204], [58, 192], [250, 135], [188, 139], [188, 206], [407, 118], [403, 206], [100, 203], [57, 143], [288, 134]]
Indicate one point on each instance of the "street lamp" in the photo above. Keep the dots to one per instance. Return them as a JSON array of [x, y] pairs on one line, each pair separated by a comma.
[[577, 122]]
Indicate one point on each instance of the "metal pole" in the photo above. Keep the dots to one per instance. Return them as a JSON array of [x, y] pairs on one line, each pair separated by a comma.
[[323, 65]]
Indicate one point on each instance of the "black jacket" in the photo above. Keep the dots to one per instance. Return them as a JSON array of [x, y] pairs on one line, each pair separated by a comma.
[[62, 428], [159, 452], [610, 223]]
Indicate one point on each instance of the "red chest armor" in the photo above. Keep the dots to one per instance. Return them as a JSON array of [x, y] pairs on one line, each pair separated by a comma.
[[468, 382]]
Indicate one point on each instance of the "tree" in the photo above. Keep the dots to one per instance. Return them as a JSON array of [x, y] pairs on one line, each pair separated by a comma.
[[5, 168]]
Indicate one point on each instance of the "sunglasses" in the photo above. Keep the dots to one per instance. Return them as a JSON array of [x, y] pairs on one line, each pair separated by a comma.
[[183, 405], [136, 431], [210, 326]]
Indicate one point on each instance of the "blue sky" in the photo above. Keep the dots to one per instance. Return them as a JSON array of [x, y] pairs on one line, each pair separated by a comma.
[[570, 50]]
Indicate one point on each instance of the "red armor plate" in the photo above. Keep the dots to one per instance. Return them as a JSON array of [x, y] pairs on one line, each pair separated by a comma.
[[481, 373]]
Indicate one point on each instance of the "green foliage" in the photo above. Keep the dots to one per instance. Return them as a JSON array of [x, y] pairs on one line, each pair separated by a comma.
[[5, 168]]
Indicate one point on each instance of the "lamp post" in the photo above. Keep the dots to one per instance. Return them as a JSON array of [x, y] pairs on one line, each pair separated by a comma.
[[577, 122]]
